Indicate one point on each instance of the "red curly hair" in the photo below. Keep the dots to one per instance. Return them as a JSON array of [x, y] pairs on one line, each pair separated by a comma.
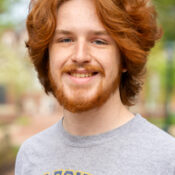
[[131, 23]]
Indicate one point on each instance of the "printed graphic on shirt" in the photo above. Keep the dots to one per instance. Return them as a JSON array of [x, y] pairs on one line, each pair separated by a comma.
[[66, 172]]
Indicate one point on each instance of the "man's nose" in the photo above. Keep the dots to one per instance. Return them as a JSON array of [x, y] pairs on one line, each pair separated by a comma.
[[81, 52]]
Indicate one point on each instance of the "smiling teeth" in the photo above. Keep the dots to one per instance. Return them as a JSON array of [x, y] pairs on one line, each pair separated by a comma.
[[81, 75]]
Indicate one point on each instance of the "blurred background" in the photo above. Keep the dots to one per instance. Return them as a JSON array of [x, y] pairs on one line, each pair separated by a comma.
[[26, 110]]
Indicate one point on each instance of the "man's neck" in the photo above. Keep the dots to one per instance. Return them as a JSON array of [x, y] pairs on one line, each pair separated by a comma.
[[109, 116]]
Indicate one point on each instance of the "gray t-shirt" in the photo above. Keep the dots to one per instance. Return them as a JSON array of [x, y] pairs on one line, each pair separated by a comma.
[[135, 148]]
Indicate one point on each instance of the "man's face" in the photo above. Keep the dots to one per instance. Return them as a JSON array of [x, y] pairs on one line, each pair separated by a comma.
[[83, 59]]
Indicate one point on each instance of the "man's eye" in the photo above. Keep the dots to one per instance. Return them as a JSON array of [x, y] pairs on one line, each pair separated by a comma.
[[99, 42], [66, 40]]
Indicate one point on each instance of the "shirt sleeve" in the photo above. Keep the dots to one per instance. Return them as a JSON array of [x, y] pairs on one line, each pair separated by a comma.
[[22, 163]]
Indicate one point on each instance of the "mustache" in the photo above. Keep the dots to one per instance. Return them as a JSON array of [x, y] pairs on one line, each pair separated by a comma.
[[87, 67]]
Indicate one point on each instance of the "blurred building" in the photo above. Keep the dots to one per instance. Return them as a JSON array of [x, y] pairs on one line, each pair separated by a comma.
[[20, 95]]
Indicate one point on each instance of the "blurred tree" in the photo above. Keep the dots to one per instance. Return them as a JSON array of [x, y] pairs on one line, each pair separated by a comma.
[[15, 69], [166, 13], [7, 14], [5, 5]]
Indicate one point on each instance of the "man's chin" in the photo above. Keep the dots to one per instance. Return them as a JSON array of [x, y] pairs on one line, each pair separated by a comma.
[[81, 100], [78, 106]]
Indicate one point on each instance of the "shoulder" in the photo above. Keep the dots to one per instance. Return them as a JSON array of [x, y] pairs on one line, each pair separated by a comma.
[[150, 131], [155, 138], [33, 148], [39, 141], [151, 144], [42, 138]]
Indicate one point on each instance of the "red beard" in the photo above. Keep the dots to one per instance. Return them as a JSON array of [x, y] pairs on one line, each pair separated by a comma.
[[79, 104]]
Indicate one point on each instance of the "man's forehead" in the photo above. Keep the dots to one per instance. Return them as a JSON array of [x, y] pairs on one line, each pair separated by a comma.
[[80, 17]]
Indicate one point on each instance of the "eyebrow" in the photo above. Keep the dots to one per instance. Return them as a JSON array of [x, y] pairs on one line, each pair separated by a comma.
[[95, 32], [62, 32]]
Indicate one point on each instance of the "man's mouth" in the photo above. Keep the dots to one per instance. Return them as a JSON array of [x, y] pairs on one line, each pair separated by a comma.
[[82, 75]]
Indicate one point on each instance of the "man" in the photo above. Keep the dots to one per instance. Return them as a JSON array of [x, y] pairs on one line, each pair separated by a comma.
[[91, 54]]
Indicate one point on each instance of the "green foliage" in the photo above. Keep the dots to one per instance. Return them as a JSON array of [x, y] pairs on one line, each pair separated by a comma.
[[159, 66], [7, 154], [157, 121], [156, 65], [166, 13], [172, 119], [5, 5], [15, 70], [6, 14]]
